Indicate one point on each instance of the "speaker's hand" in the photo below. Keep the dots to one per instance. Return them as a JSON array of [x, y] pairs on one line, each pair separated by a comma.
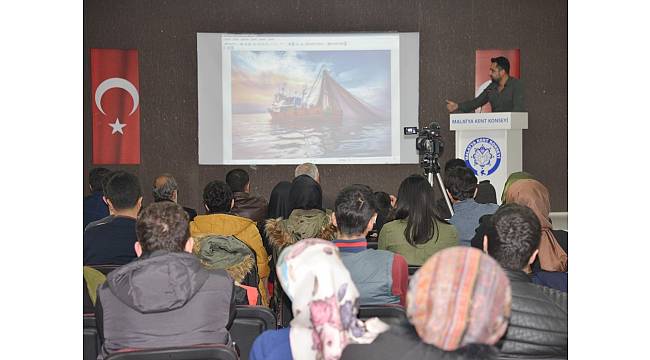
[[451, 106]]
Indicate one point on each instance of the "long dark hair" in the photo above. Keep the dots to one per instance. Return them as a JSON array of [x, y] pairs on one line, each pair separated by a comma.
[[415, 202], [279, 201]]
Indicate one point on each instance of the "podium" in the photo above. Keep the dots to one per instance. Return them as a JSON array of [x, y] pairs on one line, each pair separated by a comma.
[[490, 144]]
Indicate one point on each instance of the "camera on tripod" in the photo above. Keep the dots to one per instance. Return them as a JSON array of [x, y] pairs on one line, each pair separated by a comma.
[[430, 146]]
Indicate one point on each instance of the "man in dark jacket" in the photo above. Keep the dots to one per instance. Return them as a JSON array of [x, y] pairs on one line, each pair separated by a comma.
[[94, 206], [110, 240], [539, 321], [165, 298], [246, 205], [165, 188]]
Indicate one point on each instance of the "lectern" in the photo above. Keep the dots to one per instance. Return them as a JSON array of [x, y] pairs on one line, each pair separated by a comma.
[[490, 144]]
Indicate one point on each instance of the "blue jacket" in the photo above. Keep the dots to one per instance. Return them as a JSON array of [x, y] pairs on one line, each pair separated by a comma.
[[272, 345]]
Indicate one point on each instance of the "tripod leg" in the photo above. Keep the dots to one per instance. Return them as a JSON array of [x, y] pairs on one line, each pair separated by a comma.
[[444, 193]]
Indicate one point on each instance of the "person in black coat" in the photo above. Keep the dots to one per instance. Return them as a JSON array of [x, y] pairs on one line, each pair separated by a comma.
[[539, 321]]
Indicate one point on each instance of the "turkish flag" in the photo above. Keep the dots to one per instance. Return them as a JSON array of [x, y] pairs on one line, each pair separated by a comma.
[[115, 85], [483, 62]]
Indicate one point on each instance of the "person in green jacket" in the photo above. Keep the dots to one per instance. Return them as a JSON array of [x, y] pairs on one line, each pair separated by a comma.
[[418, 232]]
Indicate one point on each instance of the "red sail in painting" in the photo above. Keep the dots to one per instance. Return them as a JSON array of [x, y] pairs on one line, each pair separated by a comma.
[[326, 100]]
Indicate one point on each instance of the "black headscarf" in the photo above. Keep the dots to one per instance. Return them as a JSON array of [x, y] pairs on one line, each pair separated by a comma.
[[305, 193], [486, 193], [279, 201]]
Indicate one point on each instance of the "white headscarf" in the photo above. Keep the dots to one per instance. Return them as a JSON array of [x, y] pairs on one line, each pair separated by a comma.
[[325, 302]]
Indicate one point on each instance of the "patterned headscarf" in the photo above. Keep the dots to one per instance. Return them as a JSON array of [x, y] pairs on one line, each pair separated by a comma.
[[511, 180], [460, 296], [325, 302], [534, 194]]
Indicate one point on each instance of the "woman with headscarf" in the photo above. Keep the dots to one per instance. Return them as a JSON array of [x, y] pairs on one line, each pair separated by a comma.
[[325, 306], [418, 232], [553, 255], [477, 240], [458, 307], [307, 219], [279, 201], [514, 177]]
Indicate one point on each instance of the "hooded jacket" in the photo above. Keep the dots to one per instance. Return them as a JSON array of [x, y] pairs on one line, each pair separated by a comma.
[[164, 299], [244, 230], [301, 224]]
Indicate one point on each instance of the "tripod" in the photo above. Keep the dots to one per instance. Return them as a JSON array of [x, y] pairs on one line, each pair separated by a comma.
[[429, 164]]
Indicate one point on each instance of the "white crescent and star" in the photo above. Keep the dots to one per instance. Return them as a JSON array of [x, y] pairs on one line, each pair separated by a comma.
[[121, 84], [117, 127]]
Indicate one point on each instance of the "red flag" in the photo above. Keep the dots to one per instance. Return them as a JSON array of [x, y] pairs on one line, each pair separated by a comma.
[[483, 70], [115, 85]]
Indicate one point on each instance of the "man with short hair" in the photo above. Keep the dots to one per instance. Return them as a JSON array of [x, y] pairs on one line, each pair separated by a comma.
[[308, 169], [218, 201], [94, 206], [380, 276], [505, 93], [165, 298], [461, 184], [165, 188], [110, 240], [246, 205], [539, 320]]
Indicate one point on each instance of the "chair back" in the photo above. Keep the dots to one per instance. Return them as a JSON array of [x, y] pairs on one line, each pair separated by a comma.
[[249, 323]]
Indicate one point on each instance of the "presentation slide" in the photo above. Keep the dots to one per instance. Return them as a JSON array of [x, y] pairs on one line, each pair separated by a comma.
[[292, 98]]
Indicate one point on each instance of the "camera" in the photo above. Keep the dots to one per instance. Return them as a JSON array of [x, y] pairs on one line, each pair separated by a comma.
[[429, 143]]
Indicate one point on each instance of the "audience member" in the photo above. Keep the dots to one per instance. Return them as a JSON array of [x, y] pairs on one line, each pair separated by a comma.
[[308, 169], [165, 188], [234, 256], [94, 206], [306, 220], [278, 208], [325, 306], [461, 188], [385, 210], [218, 200], [512, 178], [165, 298], [110, 240], [485, 193], [539, 322], [417, 233], [458, 307], [246, 205], [553, 251], [279, 201], [380, 276]]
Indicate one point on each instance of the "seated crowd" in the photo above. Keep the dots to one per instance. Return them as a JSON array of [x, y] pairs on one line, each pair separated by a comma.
[[491, 281]]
